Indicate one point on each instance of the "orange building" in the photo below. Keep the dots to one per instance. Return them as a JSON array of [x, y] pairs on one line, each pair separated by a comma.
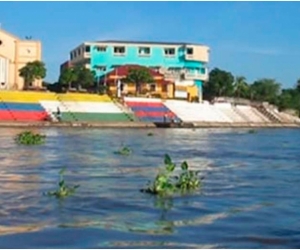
[[160, 87]]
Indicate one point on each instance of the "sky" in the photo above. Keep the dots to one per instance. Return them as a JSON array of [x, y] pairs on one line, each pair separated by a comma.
[[252, 39]]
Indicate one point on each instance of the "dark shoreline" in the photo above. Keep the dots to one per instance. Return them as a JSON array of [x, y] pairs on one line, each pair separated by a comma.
[[141, 125]]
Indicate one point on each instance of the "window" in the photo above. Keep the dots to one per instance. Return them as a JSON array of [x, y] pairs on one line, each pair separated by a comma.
[[164, 88], [71, 56], [88, 48], [169, 51], [174, 70], [100, 48], [152, 87], [74, 54], [79, 51], [144, 51], [189, 51], [119, 50], [101, 68]]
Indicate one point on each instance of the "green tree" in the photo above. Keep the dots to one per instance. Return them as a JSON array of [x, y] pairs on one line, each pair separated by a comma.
[[78, 75], [220, 83], [298, 85], [67, 77], [265, 90], [241, 88], [32, 71], [139, 76], [289, 99], [85, 77]]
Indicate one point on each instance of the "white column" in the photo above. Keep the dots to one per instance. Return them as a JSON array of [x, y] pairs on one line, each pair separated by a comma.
[[7, 74]]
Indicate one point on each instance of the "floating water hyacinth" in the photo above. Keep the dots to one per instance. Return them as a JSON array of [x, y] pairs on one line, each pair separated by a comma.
[[124, 151], [30, 138], [166, 183], [63, 190]]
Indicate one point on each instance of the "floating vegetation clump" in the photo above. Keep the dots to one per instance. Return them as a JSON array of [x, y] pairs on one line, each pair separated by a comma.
[[30, 138], [150, 134], [63, 190], [124, 151], [251, 131], [167, 183]]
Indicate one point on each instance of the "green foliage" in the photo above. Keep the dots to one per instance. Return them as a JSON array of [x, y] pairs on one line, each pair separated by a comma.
[[265, 90], [252, 131], [241, 88], [67, 77], [139, 76], [85, 77], [78, 76], [32, 71], [150, 134], [124, 151], [29, 138], [220, 84], [289, 99], [166, 183], [63, 190]]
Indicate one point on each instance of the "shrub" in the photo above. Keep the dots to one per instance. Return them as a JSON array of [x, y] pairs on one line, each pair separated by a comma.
[[29, 138], [166, 183]]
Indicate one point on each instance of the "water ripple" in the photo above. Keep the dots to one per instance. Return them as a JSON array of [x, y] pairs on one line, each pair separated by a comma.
[[248, 199]]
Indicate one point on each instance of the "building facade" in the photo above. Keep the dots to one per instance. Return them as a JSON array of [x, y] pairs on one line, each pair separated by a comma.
[[14, 54], [184, 64], [159, 87]]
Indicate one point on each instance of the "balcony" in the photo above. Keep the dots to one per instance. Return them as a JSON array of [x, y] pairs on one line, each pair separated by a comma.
[[196, 76], [172, 75]]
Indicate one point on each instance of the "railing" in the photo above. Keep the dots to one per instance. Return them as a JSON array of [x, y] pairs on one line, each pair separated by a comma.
[[200, 76]]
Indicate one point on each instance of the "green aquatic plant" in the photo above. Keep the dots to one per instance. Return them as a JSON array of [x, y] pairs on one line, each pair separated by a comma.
[[252, 131], [167, 183], [124, 151], [63, 190], [150, 134], [30, 138]]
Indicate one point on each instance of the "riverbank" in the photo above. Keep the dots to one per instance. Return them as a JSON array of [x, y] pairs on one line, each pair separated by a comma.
[[144, 125]]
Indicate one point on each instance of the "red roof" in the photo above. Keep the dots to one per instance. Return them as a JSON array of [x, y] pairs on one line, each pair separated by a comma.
[[124, 69]]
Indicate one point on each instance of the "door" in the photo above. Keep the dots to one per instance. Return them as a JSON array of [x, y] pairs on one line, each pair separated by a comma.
[[3, 73]]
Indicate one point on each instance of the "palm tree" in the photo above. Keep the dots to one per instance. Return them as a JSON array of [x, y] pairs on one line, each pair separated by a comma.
[[240, 86]]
